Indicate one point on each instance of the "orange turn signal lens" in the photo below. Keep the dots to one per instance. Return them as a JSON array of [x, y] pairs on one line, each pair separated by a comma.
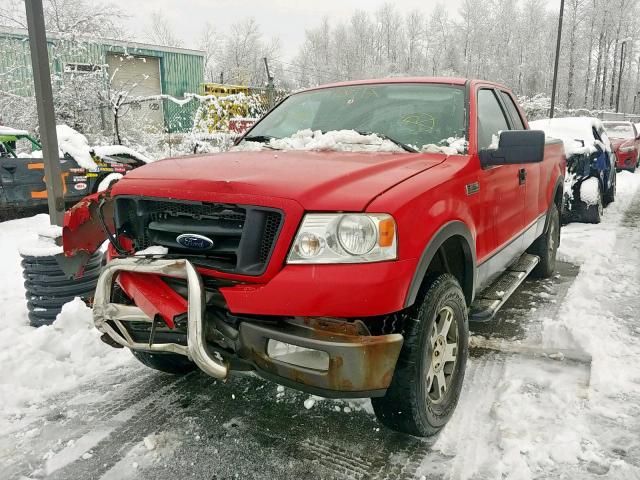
[[386, 232]]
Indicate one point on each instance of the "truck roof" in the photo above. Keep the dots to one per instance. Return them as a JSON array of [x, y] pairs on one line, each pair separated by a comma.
[[444, 80]]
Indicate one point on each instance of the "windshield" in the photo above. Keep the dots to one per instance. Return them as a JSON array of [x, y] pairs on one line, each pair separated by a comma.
[[411, 114], [619, 129]]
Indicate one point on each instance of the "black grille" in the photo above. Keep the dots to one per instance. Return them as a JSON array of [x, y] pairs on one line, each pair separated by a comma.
[[243, 236]]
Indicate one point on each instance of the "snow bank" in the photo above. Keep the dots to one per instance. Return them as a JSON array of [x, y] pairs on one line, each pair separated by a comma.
[[336, 140], [39, 363], [572, 131]]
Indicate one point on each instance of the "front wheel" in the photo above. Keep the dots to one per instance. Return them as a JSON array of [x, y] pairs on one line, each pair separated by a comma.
[[428, 377]]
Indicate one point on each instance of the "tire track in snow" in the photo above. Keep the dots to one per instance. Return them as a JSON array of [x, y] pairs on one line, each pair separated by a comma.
[[73, 422], [110, 439]]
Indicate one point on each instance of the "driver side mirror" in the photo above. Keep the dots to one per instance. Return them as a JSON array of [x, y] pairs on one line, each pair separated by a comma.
[[515, 147]]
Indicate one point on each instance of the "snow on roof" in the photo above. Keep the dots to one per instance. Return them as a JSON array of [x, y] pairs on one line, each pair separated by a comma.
[[76, 145], [12, 131], [108, 150], [572, 131]]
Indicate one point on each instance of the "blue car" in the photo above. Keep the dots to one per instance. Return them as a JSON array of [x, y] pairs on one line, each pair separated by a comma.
[[590, 181]]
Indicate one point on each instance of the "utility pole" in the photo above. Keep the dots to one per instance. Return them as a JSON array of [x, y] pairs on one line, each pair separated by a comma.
[[555, 67], [271, 90], [46, 115], [622, 45]]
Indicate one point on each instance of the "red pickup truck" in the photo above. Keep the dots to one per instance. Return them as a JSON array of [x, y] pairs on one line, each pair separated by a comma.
[[344, 268]]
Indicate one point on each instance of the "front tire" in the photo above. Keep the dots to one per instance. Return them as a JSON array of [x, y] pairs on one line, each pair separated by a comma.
[[546, 246], [165, 362], [428, 377]]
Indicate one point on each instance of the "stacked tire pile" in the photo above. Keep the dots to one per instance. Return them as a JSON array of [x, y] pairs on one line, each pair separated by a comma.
[[48, 288]]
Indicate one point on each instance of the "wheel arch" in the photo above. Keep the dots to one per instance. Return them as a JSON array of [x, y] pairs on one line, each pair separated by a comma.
[[455, 242], [557, 200]]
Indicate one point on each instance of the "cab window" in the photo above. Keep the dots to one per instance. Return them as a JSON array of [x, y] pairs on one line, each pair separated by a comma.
[[491, 118], [516, 119]]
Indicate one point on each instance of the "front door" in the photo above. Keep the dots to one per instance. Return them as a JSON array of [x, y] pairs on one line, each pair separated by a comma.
[[504, 185], [530, 174]]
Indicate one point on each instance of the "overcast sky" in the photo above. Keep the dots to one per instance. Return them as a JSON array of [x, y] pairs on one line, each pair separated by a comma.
[[286, 19]]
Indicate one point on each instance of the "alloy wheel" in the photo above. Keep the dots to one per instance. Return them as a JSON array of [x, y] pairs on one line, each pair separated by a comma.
[[443, 341]]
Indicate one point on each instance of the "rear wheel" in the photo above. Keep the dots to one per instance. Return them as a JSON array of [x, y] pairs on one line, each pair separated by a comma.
[[610, 194], [592, 212], [428, 377], [546, 246], [165, 362]]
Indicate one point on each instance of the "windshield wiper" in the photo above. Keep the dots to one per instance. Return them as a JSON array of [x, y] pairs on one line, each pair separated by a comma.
[[383, 136], [258, 138]]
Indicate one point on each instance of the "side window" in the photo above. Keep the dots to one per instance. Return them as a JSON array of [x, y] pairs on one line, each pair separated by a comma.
[[491, 119], [516, 120]]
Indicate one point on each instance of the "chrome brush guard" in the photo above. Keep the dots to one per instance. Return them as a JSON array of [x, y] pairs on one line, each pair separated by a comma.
[[104, 311]]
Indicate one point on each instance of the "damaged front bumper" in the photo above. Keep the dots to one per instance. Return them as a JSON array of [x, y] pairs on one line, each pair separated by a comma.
[[347, 362]]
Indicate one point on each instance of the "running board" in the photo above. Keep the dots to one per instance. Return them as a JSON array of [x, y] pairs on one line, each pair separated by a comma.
[[491, 299]]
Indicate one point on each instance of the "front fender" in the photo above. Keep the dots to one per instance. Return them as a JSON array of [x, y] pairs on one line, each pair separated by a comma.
[[86, 227], [447, 231]]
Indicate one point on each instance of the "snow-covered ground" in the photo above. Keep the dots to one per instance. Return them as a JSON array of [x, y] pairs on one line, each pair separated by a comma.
[[522, 418], [553, 391], [39, 363]]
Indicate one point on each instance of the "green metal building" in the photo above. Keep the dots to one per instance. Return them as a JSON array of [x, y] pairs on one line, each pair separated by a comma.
[[144, 74]]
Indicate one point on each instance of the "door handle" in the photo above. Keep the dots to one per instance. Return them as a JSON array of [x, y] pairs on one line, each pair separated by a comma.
[[522, 176]]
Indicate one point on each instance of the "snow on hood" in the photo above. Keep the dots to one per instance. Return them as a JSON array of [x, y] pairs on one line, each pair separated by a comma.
[[336, 140], [452, 146], [572, 131], [347, 141], [12, 131]]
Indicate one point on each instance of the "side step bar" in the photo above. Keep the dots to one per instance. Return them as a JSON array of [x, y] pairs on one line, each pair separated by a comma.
[[491, 300]]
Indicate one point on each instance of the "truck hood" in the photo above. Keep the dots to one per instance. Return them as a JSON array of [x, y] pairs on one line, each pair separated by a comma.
[[325, 180]]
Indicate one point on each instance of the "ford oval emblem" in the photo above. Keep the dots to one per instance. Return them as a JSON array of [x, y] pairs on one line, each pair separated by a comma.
[[194, 241]]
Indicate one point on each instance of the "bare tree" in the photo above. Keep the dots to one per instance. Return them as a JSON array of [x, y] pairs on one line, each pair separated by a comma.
[[210, 42], [160, 31], [69, 17]]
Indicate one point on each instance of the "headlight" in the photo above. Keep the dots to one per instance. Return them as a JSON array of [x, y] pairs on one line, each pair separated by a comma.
[[627, 149], [345, 238]]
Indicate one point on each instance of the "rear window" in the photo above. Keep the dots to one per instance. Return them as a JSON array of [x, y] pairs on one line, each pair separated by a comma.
[[619, 129]]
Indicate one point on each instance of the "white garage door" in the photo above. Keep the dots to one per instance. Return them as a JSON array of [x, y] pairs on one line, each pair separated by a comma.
[[140, 77]]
